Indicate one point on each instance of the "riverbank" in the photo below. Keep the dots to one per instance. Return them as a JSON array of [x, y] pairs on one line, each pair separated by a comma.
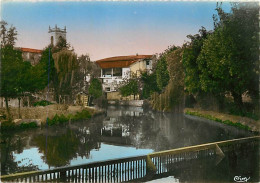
[[231, 120], [56, 114], [137, 103]]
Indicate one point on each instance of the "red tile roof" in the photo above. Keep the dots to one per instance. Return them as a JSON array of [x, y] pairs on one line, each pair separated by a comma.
[[31, 50], [121, 61]]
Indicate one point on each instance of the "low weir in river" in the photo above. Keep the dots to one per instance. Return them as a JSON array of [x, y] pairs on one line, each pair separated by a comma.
[[143, 168]]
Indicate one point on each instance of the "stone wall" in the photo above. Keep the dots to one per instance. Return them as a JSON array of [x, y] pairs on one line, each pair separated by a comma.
[[118, 96], [41, 113], [12, 102]]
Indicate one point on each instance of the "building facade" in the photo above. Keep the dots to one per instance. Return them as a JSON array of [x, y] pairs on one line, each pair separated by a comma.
[[115, 70], [31, 55]]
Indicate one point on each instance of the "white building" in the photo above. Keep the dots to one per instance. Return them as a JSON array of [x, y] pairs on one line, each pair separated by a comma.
[[115, 70]]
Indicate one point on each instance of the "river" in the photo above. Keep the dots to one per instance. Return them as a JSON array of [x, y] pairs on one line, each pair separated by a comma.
[[121, 132]]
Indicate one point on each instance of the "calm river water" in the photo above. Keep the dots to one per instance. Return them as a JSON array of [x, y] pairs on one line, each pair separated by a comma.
[[121, 132]]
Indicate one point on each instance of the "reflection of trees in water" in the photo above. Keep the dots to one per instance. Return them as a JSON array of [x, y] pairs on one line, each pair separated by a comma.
[[89, 139], [161, 131], [147, 129], [144, 133], [153, 133], [12, 144], [61, 148], [63, 144]]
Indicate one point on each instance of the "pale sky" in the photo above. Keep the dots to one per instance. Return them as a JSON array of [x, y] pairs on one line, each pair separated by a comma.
[[107, 29]]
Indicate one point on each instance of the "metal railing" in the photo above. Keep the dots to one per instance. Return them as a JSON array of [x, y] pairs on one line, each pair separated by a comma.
[[132, 168], [164, 160]]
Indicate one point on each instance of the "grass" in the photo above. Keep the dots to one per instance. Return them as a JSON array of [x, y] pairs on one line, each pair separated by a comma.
[[227, 122], [244, 114], [60, 119]]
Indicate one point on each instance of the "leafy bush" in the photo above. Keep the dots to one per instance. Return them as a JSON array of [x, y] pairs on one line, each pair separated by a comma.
[[28, 125], [10, 126], [60, 119], [7, 125], [42, 103], [84, 114], [95, 88], [57, 119]]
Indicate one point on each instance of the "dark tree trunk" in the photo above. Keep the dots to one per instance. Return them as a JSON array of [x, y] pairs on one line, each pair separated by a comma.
[[7, 109], [19, 108], [238, 100]]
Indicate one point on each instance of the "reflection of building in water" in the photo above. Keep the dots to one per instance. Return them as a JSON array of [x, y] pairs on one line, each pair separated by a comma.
[[117, 124], [113, 111], [89, 138], [120, 130], [113, 124]]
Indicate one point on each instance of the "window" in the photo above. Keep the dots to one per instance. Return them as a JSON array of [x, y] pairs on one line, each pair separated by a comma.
[[52, 40], [107, 72], [117, 71], [147, 62], [107, 89]]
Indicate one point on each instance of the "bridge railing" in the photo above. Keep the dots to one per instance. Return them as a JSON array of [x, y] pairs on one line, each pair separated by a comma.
[[118, 170], [164, 160], [132, 168]]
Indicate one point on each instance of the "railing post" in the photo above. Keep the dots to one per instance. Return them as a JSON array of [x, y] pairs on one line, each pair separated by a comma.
[[63, 175], [150, 167]]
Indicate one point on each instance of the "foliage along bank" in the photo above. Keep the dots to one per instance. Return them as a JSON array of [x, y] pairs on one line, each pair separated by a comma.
[[215, 69], [56, 120], [213, 118], [59, 70]]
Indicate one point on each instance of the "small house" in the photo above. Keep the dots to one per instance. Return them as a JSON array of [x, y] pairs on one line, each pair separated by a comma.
[[115, 70]]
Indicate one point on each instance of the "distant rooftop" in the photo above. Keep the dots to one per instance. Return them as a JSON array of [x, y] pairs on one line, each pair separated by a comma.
[[121, 61], [31, 50]]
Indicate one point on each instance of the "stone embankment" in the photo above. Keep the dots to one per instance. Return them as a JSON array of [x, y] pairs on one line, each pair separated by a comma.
[[137, 103], [254, 125], [39, 114]]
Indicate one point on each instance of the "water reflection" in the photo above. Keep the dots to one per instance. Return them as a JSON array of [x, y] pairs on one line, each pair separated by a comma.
[[121, 132]]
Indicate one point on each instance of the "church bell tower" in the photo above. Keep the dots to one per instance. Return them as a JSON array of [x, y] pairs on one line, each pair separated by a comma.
[[56, 33]]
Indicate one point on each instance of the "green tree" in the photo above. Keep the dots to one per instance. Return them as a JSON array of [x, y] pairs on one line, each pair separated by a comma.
[[176, 72], [191, 52], [11, 74], [172, 95], [161, 70], [62, 44], [149, 84], [95, 88], [8, 36], [86, 68], [65, 62], [3, 33], [45, 69], [162, 74], [11, 61], [229, 57], [17, 76], [25, 81], [130, 87]]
